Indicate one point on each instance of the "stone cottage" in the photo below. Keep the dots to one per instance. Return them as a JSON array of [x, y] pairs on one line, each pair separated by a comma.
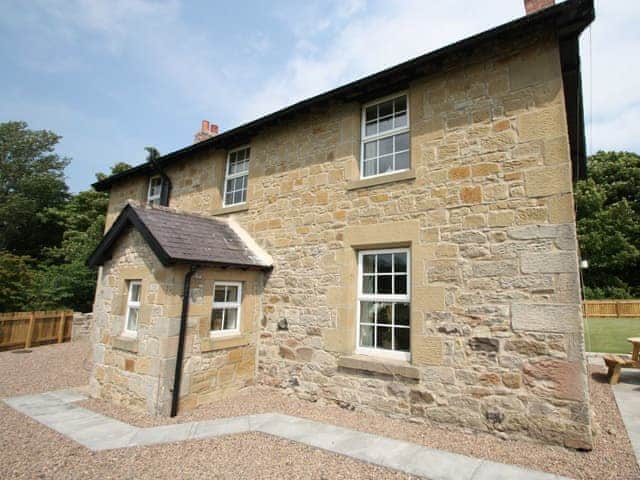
[[404, 243]]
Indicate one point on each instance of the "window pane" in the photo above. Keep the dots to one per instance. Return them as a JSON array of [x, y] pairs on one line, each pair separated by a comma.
[[386, 108], [371, 113], [399, 262], [370, 150], [371, 129], [231, 318], [386, 146], [368, 284], [386, 164], [384, 338], [385, 124], [402, 141], [400, 284], [132, 322], [384, 263], [368, 263], [369, 168], [401, 103], [216, 319], [232, 293], [400, 121], [135, 292], [367, 312], [402, 314], [402, 161], [237, 196], [218, 295], [366, 335], [384, 313], [402, 339], [385, 283]]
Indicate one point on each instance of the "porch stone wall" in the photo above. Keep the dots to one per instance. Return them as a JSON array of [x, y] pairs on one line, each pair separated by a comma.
[[487, 211], [139, 371]]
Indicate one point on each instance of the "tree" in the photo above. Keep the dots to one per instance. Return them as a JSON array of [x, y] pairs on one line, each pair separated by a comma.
[[117, 168], [608, 210], [63, 280], [31, 179], [15, 280]]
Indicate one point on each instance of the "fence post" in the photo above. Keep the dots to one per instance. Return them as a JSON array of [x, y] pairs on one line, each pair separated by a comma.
[[617, 308], [63, 319], [32, 320]]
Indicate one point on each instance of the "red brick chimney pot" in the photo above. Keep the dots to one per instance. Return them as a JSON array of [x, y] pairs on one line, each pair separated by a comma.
[[532, 6]]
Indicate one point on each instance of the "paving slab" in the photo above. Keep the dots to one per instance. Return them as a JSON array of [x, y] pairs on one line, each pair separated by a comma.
[[627, 394], [98, 432]]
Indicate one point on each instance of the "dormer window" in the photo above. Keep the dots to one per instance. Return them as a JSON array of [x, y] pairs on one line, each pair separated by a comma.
[[236, 177], [385, 137], [154, 195]]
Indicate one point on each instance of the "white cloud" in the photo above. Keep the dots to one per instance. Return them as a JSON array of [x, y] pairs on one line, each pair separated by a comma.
[[365, 40]]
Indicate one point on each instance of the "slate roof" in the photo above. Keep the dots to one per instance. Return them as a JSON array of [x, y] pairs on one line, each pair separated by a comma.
[[177, 237], [568, 19]]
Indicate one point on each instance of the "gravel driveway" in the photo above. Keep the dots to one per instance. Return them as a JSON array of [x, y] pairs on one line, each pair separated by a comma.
[[29, 450]]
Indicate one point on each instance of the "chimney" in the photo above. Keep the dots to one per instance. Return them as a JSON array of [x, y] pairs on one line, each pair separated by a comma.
[[207, 130], [533, 6]]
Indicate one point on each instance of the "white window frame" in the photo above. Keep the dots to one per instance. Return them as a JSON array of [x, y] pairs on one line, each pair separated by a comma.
[[230, 176], [382, 298], [131, 304], [157, 198], [224, 305], [380, 136]]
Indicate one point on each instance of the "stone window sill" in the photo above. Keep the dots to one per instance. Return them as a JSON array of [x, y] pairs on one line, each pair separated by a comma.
[[128, 344], [244, 207], [221, 342], [379, 365], [381, 180]]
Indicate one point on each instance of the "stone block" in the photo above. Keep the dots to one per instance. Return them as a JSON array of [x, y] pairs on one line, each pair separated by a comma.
[[555, 378], [379, 365], [484, 169], [471, 195], [532, 69], [498, 268], [458, 173], [427, 350], [546, 318], [547, 181], [560, 209], [542, 124], [501, 218], [552, 262], [429, 298]]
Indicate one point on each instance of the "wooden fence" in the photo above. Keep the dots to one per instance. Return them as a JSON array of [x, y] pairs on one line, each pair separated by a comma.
[[26, 329], [611, 308]]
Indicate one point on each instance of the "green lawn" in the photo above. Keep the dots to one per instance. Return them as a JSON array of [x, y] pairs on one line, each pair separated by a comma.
[[610, 334]]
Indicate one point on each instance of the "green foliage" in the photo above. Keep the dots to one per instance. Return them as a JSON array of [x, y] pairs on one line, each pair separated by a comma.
[[46, 235], [608, 208], [15, 280], [31, 179], [117, 168], [64, 279]]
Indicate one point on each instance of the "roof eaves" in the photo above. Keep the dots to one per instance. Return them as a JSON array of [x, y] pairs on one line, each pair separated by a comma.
[[569, 18]]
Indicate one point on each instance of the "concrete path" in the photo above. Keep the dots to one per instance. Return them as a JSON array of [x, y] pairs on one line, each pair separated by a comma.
[[98, 432], [627, 393]]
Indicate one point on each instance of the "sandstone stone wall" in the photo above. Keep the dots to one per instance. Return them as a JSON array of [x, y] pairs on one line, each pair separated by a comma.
[[487, 212], [81, 326], [139, 371]]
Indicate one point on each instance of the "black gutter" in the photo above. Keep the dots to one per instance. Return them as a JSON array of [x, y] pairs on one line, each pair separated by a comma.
[[181, 337], [569, 18]]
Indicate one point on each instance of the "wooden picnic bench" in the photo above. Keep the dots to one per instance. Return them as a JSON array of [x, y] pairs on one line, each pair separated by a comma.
[[615, 364]]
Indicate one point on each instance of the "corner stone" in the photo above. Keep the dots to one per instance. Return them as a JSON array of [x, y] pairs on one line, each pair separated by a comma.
[[546, 318]]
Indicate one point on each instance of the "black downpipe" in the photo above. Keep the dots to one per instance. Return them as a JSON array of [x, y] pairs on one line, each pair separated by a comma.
[[183, 333], [165, 194]]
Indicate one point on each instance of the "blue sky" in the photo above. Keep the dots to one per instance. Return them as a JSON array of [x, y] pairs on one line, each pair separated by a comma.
[[113, 76]]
